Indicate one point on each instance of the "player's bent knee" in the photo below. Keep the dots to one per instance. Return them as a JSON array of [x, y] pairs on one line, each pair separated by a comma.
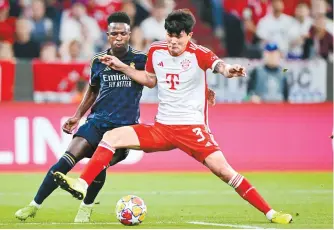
[[217, 163]]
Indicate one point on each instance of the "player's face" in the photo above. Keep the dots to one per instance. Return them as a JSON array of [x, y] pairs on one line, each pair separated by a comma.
[[177, 43], [119, 36]]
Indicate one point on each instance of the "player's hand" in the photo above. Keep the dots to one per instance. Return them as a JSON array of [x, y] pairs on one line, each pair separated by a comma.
[[235, 71], [211, 97], [112, 62], [70, 125]]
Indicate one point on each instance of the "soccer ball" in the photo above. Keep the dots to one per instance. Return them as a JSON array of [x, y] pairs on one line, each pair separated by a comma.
[[131, 210]]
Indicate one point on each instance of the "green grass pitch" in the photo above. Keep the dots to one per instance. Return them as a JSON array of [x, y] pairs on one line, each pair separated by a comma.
[[178, 200]]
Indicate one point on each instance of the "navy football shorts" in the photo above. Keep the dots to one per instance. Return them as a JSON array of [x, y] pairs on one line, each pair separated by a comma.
[[93, 131]]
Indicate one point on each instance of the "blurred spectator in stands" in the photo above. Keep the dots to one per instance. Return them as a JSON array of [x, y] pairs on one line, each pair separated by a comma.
[[268, 83], [42, 27], [24, 47], [302, 25], [130, 9], [234, 35], [276, 27], [217, 18], [320, 42], [321, 7], [74, 52], [137, 40], [15, 7], [251, 15], [291, 5], [6, 51], [143, 9], [153, 27], [49, 52], [101, 9], [7, 24], [79, 91], [77, 25]]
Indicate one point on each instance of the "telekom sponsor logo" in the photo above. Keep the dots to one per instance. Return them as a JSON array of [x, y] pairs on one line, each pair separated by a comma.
[[173, 80]]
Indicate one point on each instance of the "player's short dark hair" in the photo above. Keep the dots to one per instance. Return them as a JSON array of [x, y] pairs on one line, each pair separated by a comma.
[[119, 17], [179, 20]]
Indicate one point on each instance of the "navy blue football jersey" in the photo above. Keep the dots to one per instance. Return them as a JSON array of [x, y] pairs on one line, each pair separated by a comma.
[[119, 95]]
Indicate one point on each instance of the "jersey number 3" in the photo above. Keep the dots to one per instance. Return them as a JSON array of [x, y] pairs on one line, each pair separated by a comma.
[[198, 132]]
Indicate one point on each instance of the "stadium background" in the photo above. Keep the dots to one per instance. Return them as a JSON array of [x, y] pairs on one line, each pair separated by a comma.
[[40, 89]]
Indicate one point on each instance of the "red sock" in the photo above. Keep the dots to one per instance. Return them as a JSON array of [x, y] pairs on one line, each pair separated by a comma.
[[249, 193], [100, 160]]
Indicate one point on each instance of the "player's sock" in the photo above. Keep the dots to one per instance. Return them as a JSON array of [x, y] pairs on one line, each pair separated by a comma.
[[33, 203], [95, 187], [249, 193], [100, 161], [64, 165]]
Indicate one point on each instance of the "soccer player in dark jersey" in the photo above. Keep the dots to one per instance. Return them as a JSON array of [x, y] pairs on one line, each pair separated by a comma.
[[114, 101]]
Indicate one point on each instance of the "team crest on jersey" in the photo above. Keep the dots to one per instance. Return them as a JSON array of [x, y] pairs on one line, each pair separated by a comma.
[[132, 65], [185, 64]]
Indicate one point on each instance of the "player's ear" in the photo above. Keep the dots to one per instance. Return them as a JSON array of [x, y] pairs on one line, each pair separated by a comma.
[[190, 35]]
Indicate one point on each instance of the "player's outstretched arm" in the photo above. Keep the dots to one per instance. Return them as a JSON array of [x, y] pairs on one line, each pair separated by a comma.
[[88, 100], [230, 71], [139, 76]]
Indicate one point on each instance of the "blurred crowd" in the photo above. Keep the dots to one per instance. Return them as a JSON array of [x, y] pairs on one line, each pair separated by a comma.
[[73, 30], [302, 29]]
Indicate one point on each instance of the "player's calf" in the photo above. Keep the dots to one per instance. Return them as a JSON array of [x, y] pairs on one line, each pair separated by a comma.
[[217, 163]]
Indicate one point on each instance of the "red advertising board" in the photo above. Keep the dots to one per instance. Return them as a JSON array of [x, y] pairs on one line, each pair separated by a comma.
[[252, 137], [7, 77], [54, 82]]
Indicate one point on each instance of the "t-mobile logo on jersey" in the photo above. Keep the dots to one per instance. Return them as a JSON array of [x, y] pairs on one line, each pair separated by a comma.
[[172, 79]]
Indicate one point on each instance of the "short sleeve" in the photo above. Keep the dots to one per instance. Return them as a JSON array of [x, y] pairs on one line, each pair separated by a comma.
[[141, 62], [206, 58], [94, 79], [149, 63]]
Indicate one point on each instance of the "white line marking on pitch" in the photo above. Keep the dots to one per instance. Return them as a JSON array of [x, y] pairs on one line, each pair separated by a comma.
[[227, 225]]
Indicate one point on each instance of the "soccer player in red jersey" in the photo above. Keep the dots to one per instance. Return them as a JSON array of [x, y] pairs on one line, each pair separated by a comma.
[[177, 66]]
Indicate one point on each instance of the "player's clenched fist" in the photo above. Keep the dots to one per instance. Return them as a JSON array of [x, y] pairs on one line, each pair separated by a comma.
[[70, 124]]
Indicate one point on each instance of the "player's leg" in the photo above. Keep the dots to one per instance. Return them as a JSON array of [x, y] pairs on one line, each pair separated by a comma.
[[97, 184], [86, 206], [144, 137], [217, 163], [198, 142], [93, 132], [78, 148]]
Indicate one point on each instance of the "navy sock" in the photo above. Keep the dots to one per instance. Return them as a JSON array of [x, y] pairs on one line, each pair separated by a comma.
[[64, 165], [95, 187]]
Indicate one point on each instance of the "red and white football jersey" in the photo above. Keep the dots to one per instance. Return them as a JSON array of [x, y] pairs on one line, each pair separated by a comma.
[[181, 82]]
